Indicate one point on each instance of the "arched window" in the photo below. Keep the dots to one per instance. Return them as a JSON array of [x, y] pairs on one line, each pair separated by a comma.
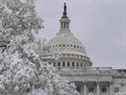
[[91, 89], [73, 64], [74, 46], [63, 64], [63, 45], [77, 64], [59, 45], [68, 64], [59, 64], [104, 89]]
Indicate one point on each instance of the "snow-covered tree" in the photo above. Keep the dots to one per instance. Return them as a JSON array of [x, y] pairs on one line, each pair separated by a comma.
[[22, 72]]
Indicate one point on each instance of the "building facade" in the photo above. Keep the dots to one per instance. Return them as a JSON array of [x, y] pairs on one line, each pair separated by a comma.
[[68, 55]]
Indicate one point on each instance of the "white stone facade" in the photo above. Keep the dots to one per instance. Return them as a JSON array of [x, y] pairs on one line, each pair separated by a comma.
[[73, 64]]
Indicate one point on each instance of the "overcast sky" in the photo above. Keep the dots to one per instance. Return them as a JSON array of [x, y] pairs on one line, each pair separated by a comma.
[[99, 24]]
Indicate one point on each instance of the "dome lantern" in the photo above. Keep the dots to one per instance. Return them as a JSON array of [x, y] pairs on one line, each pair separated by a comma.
[[64, 21]]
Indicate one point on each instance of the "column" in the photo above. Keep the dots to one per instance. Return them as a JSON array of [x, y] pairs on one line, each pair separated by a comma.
[[98, 89], [111, 89], [84, 88]]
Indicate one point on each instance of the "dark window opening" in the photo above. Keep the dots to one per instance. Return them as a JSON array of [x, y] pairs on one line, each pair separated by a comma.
[[73, 64], [63, 63], [63, 45], [77, 64], [59, 45], [104, 89], [91, 89], [68, 64], [78, 88], [116, 90], [59, 64]]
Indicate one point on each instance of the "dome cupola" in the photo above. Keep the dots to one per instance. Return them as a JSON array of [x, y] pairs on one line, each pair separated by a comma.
[[64, 21], [71, 51]]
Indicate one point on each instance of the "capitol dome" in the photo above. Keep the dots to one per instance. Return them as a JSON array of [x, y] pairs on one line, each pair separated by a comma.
[[66, 42], [67, 46]]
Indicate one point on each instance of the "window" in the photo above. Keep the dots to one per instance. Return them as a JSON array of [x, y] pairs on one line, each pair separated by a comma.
[[77, 64], [28, 90], [116, 90], [63, 45], [91, 89], [78, 88], [122, 84], [63, 63], [68, 64], [104, 89], [74, 46], [59, 64], [73, 64], [59, 45]]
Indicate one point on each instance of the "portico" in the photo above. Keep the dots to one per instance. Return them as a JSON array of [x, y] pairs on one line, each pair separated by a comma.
[[94, 88]]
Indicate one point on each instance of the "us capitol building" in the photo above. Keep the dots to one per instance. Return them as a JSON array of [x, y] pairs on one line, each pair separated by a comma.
[[68, 55]]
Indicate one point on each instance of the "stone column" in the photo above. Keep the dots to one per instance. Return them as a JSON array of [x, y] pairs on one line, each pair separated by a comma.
[[98, 89], [81, 90], [85, 89], [111, 89]]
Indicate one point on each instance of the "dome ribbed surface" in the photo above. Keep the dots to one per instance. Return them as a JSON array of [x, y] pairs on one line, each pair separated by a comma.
[[66, 42]]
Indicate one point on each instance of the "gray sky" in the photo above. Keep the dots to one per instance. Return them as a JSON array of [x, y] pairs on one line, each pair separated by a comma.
[[99, 24]]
